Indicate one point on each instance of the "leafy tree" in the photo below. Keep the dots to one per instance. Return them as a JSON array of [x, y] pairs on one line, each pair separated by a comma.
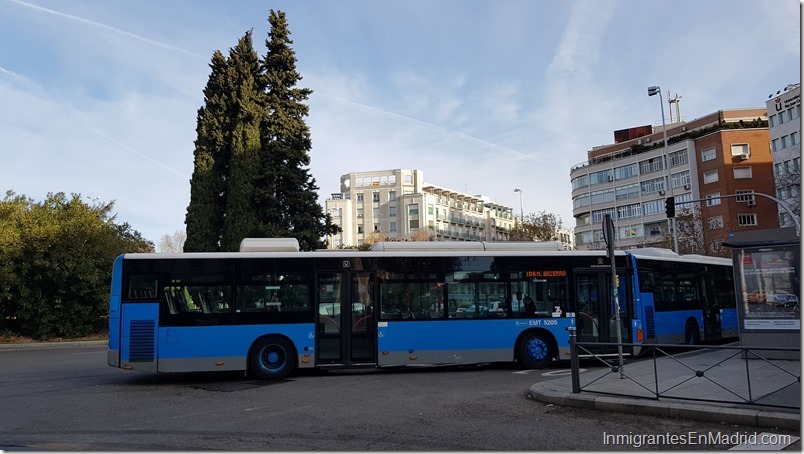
[[537, 227], [56, 260]]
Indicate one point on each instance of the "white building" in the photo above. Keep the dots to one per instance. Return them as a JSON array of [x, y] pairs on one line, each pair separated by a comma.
[[398, 205], [784, 122]]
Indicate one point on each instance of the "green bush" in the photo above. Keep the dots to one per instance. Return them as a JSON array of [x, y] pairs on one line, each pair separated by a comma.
[[56, 259]]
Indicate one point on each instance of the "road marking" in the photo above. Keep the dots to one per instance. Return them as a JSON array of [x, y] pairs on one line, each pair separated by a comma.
[[560, 373], [552, 373]]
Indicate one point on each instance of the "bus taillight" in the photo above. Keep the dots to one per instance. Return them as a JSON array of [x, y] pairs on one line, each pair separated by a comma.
[[639, 335]]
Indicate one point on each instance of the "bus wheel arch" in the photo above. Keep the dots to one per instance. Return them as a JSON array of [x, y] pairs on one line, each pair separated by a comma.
[[535, 349], [692, 332], [272, 357]]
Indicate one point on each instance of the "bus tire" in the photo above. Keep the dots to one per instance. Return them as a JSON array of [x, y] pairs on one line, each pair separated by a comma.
[[692, 335], [535, 350], [272, 358]]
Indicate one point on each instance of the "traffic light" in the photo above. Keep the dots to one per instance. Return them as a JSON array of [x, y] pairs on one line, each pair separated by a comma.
[[670, 207]]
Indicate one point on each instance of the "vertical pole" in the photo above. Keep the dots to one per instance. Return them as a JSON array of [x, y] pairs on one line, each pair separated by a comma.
[[576, 375], [672, 220], [609, 235]]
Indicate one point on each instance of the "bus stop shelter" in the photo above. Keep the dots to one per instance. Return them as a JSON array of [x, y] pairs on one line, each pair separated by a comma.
[[767, 279]]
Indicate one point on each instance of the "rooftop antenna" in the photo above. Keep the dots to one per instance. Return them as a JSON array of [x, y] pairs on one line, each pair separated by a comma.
[[674, 100]]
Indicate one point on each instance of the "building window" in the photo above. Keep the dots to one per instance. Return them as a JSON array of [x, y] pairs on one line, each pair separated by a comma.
[[606, 195], [651, 186], [740, 150], [747, 219], [653, 207], [794, 138], [376, 213], [713, 199], [375, 196], [710, 177], [597, 216], [392, 227], [391, 196], [627, 191], [629, 211], [776, 145], [376, 227], [708, 155], [630, 231], [359, 229], [651, 165], [681, 179], [716, 222], [677, 158], [604, 176], [621, 173], [414, 224], [413, 209], [772, 121], [408, 179], [360, 212], [359, 197], [580, 182], [742, 172], [745, 195], [392, 211]]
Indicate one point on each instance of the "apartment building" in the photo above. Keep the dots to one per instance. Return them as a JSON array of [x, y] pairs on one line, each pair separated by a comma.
[[397, 205], [723, 153], [784, 122]]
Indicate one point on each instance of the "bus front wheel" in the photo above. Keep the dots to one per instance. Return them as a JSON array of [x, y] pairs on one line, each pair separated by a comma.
[[272, 358], [534, 351]]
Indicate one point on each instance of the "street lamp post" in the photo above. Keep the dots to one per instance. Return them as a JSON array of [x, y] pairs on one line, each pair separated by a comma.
[[671, 222], [521, 208]]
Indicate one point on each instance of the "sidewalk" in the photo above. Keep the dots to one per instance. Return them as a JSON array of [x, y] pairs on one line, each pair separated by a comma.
[[64, 344], [723, 377]]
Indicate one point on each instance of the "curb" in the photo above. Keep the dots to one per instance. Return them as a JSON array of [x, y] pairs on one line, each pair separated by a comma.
[[41, 345], [544, 392]]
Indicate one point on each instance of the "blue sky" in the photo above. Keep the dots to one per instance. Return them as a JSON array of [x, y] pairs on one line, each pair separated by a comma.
[[100, 97]]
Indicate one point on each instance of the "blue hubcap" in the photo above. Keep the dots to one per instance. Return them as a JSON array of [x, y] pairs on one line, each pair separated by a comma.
[[537, 349], [273, 358]]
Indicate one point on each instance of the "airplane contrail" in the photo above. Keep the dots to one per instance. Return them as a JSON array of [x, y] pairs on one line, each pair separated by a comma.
[[107, 27], [424, 123]]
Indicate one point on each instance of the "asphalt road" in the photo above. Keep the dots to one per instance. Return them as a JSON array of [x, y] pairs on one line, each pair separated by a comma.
[[69, 399]]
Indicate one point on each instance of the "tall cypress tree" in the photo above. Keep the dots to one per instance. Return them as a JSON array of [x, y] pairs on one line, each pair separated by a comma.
[[251, 176], [208, 185], [246, 113], [287, 192]]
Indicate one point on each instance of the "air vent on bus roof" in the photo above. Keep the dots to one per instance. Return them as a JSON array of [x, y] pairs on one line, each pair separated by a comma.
[[399, 246], [269, 245]]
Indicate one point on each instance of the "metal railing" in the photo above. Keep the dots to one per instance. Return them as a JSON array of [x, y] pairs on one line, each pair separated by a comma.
[[692, 372]]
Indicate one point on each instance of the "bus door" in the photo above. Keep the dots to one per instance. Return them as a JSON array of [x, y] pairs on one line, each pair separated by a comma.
[[595, 311], [346, 318]]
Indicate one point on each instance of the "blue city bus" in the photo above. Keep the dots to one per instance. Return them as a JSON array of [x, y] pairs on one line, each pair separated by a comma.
[[270, 309]]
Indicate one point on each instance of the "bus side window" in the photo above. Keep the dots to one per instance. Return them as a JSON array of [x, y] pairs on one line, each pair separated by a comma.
[[142, 286]]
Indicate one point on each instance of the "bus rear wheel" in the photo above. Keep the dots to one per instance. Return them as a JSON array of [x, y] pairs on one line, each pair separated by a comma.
[[692, 335], [272, 358], [534, 351]]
